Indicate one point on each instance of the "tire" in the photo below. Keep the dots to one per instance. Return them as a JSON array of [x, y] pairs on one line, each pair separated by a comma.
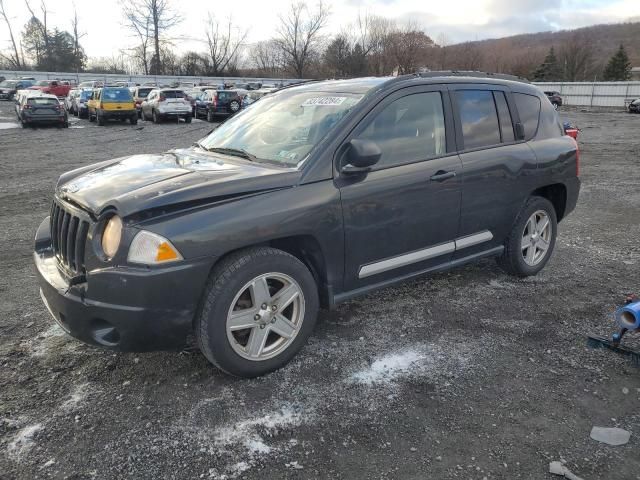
[[209, 116], [187, 119], [555, 105], [234, 106], [24, 124], [140, 114], [155, 117], [227, 281], [99, 119], [91, 117], [516, 260], [65, 124], [134, 119]]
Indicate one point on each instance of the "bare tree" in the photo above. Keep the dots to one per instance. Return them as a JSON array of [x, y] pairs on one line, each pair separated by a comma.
[[139, 22], [14, 59], [576, 58], [410, 47], [42, 24], [223, 42], [150, 20], [266, 57], [299, 34], [77, 49]]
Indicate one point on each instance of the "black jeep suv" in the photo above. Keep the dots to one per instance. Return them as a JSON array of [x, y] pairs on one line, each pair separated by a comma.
[[317, 194]]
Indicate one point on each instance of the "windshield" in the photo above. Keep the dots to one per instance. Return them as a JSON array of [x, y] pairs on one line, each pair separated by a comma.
[[144, 92], [283, 128], [43, 83], [8, 83], [86, 94], [116, 95]]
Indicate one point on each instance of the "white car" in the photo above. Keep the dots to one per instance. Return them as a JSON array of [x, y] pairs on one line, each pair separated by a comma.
[[167, 103], [69, 99]]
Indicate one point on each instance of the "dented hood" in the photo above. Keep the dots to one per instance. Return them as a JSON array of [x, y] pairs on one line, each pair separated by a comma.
[[142, 182]]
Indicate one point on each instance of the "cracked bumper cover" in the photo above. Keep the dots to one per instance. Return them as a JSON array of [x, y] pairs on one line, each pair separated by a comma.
[[121, 307]]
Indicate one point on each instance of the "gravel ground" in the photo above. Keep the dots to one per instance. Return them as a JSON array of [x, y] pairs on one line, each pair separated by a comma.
[[468, 374]]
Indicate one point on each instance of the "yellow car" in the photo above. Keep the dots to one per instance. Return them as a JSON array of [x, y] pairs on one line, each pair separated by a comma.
[[112, 103]]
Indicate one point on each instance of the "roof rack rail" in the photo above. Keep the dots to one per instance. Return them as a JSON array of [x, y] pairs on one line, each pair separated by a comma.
[[471, 73]]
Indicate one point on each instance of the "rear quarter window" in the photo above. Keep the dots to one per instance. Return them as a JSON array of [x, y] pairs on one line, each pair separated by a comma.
[[529, 111]]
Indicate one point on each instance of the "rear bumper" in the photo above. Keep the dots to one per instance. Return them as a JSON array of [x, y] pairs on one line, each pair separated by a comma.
[[44, 118], [122, 308], [173, 113], [573, 192], [118, 113]]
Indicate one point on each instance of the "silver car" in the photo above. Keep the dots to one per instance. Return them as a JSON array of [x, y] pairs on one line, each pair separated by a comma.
[[165, 103]]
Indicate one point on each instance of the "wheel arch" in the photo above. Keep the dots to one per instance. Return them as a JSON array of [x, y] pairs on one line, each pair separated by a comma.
[[305, 248], [556, 193]]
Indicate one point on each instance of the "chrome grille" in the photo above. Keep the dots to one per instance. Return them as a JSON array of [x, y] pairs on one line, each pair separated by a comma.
[[68, 238]]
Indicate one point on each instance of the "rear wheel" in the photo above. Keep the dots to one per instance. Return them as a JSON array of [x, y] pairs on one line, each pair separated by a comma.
[[234, 106], [532, 239], [134, 119], [99, 118], [259, 307], [555, 105], [187, 119]]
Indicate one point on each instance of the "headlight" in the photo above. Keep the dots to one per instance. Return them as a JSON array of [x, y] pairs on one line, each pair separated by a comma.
[[151, 249], [111, 236]]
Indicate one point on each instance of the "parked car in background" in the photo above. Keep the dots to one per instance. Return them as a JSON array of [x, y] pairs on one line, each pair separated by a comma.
[[254, 95], [166, 103], [140, 93], [314, 196], [68, 100], [80, 108], [42, 108], [218, 102], [91, 84], [112, 103], [634, 106], [58, 88], [555, 98], [9, 88]]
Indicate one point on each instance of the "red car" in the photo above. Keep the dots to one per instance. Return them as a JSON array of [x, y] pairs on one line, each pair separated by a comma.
[[59, 88]]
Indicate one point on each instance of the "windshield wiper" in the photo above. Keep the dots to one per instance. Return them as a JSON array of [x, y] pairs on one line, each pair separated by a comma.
[[236, 152]]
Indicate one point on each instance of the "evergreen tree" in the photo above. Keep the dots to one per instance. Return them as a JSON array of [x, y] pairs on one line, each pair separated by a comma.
[[619, 67], [549, 69]]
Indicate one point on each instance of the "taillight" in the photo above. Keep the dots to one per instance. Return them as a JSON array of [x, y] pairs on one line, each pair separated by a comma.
[[26, 107], [215, 100]]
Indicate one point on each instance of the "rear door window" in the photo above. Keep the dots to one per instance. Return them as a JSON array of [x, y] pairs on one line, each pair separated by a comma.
[[506, 125], [409, 129], [478, 117], [529, 111]]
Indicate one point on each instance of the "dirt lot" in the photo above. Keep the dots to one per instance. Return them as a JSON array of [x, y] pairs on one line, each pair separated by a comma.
[[470, 374]]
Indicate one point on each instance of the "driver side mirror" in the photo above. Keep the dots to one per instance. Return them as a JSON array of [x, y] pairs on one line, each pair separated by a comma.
[[360, 155]]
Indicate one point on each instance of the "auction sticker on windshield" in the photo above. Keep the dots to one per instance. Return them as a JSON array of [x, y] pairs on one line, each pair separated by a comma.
[[323, 101]]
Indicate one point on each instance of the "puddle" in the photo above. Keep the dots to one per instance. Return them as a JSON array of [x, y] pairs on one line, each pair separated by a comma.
[[8, 125]]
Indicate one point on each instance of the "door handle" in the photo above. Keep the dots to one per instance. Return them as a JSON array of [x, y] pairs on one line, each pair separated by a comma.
[[441, 176]]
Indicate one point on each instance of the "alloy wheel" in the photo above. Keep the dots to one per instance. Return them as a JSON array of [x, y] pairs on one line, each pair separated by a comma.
[[536, 238], [265, 316]]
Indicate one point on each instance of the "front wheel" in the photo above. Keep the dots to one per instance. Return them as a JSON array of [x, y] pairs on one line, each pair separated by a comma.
[[187, 119], [155, 117], [258, 309], [532, 239]]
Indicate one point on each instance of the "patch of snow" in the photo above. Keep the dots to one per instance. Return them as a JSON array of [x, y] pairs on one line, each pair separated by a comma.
[[23, 441], [256, 445], [79, 394], [388, 368], [247, 430], [8, 125]]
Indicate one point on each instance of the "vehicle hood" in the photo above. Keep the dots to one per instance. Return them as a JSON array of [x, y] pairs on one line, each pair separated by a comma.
[[185, 177]]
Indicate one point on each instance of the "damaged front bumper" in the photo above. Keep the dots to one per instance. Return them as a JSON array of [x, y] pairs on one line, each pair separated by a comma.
[[121, 307]]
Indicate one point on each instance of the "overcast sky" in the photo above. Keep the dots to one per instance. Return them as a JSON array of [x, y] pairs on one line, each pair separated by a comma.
[[459, 20]]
